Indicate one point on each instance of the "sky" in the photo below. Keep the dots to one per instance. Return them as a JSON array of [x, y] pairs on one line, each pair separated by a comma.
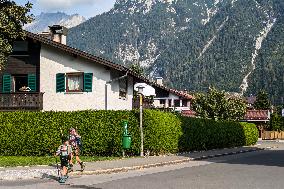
[[86, 8]]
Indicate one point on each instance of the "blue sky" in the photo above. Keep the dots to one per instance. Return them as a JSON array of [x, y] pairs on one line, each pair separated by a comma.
[[86, 8]]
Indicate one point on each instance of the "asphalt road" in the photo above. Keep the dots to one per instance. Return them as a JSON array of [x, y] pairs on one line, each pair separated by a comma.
[[259, 170]]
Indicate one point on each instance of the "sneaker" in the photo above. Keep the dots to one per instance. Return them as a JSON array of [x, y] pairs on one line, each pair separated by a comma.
[[70, 168], [82, 166], [62, 180]]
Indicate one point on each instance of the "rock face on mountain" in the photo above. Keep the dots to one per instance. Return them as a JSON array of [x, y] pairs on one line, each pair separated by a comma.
[[234, 45], [44, 20]]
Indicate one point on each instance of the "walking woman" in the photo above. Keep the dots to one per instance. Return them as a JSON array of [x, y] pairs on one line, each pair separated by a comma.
[[75, 141]]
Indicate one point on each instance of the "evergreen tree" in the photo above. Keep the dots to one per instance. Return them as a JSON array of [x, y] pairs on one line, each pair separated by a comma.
[[276, 122], [262, 101], [12, 18], [137, 69]]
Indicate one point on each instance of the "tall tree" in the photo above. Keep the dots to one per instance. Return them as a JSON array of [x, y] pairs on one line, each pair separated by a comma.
[[12, 18], [262, 101], [219, 106], [137, 69]]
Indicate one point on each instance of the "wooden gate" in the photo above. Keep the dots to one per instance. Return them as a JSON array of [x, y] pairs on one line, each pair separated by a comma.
[[272, 135]]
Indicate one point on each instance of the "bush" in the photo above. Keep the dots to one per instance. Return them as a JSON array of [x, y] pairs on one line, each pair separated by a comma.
[[251, 133], [276, 122], [161, 132]]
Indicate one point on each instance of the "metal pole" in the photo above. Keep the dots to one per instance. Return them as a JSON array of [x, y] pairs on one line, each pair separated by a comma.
[[141, 128]]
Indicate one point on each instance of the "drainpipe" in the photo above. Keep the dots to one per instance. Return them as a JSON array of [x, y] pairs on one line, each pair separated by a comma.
[[107, 86]]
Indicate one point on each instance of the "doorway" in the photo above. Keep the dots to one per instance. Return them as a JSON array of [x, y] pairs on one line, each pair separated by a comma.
[[20, 81]]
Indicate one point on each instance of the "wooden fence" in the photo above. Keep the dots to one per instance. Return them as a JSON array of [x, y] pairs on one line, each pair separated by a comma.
[[272, 135]]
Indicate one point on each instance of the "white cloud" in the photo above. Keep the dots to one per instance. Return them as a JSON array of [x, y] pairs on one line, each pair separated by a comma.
[[63, 4]]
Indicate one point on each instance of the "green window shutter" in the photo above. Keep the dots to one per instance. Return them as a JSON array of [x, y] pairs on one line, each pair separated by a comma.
[[6, 83], [88, 82], [32, 82], [60, 82]]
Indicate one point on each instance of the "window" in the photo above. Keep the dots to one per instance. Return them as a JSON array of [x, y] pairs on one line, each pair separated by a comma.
[[20, 46], [184, 103], [123, 88], [170, 103], [19, 83], [74, 82], [162, 102], [177, 103]]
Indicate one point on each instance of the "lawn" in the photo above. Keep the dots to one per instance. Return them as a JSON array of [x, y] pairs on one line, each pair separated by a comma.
[[13, 161]]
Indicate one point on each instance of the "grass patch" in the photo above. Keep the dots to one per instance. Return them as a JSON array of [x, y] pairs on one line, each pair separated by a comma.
[[13, 161]]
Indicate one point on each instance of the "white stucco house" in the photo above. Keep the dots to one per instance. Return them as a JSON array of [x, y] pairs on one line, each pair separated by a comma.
[[164, 97], [61, 78], [44, 74]]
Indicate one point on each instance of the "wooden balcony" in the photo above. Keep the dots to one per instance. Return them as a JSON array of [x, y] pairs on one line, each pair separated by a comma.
[[21, 101]]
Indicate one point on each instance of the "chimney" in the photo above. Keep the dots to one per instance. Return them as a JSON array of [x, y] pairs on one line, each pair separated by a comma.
[[45, 34], [159, 81], [58, 33]]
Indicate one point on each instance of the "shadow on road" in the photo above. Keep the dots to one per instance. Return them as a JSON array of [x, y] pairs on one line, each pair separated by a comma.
[[263, 158], [51, 177], [83, 187]]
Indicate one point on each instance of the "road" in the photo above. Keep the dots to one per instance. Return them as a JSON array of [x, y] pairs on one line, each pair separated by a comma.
[[254, 170]]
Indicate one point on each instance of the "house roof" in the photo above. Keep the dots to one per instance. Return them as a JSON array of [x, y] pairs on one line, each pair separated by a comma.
[[188, 113], [257, 115], [251, 99], [103, 61]]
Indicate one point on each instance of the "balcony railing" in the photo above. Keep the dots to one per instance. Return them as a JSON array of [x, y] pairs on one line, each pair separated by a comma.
[[21, 101]]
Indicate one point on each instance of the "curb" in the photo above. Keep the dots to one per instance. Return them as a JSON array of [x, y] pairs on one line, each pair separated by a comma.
[[125, 169]]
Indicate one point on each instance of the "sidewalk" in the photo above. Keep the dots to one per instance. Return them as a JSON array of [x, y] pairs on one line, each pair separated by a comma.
[[121, 165]]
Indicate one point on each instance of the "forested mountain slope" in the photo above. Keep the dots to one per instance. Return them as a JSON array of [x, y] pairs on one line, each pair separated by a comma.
[[235, 45]]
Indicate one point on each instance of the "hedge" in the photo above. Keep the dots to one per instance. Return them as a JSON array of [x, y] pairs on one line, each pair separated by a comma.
[[162, 132], [205, 134], [38, 133]]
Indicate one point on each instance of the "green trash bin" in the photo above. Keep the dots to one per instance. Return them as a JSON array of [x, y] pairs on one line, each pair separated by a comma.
[[126, 141]]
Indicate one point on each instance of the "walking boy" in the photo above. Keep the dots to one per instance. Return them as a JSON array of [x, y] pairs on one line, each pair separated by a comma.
[[64, 151], [75, 141]]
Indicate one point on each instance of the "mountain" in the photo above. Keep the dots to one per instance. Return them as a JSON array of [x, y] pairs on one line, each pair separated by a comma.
[[42, 21], [193, 44]]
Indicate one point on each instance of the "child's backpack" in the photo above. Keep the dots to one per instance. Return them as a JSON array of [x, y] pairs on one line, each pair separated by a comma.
[[79, 143]]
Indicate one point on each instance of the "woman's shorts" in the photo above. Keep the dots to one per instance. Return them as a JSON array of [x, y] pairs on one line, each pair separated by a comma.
[[76, 151], [64, 161]]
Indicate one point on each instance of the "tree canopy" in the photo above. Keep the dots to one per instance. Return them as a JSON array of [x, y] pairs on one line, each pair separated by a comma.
[[262, 101], [137, 69], [219, 106], [12, 18]]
